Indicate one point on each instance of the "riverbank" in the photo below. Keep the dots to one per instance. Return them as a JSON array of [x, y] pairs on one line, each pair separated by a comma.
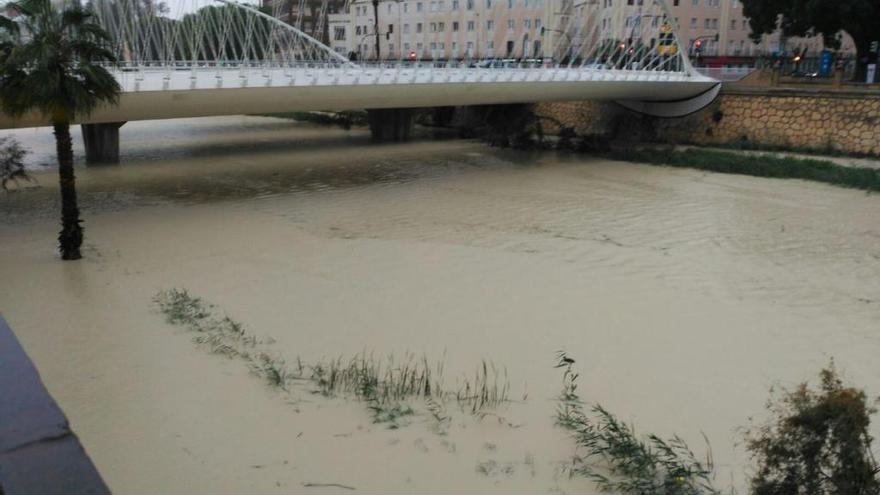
[[754, 164], [683, 295]]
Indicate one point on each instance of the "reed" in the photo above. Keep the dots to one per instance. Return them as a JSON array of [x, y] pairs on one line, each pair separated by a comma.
[[619, 460]]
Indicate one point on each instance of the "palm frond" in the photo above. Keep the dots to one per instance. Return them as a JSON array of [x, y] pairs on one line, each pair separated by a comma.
[[9, 26]]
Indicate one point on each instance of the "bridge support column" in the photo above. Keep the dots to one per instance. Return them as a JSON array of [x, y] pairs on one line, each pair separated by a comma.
[[102, 142], [391, 124]]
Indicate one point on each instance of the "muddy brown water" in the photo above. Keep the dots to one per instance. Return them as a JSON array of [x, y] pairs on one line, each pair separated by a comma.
[[683, 295]]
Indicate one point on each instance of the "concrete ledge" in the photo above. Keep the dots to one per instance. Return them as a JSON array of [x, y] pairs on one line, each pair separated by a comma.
[[39, 454], [807, 92]]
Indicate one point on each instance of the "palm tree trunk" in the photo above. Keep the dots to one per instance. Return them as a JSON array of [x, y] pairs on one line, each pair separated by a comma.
[[71, 236]]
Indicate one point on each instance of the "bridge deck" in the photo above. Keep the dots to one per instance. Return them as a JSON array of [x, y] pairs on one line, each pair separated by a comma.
[[202, 92]]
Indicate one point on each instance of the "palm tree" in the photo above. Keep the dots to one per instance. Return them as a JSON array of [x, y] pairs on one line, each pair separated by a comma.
[[54, 69]]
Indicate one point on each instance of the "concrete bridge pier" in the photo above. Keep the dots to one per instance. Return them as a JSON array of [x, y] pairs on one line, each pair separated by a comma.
[[102, 142], [391, 124]]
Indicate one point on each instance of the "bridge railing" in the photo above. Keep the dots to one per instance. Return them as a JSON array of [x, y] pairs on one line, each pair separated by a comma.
[[153, 65]]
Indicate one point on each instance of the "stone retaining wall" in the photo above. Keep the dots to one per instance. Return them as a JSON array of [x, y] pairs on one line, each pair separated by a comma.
[[843, 120]]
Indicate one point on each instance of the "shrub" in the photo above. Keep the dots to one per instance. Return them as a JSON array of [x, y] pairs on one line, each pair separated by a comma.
[[816, 443]]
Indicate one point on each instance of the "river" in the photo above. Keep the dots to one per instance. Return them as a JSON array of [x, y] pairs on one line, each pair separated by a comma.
[[683, 296]]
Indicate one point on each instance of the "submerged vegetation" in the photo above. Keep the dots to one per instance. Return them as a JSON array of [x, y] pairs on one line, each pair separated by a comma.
[[817, 442], [756, 165], [386, 385], [620, 461]]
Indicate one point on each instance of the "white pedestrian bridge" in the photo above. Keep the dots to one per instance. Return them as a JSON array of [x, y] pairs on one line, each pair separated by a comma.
[[227, 58]]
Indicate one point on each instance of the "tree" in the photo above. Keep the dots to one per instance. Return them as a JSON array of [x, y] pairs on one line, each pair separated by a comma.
[[55, 70], [827, 18]]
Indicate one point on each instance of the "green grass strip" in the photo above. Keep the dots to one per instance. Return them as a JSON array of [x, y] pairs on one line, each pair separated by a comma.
[[778, 167]]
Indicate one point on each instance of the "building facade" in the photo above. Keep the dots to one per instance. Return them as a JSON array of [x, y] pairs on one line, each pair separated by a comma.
[[441, 29], [531, 29]]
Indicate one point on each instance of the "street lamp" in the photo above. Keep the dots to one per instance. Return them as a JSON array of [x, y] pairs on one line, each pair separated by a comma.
[[377, 32]]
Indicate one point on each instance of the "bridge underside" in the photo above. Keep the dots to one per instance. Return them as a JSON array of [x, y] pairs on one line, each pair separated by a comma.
[[182, 96]]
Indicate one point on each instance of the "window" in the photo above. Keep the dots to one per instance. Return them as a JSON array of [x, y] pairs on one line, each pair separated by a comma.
[[490, 25], [693, 22], [406, 29], [433, 7], [470, 25], [433, 27], [391, 28], [708, 23], [733, 25], [527, 23], [405, 7], [675, 3], [454, 4], [488, 4], [419, 7], [418, 27], [357, 30], [510, 24], [389, 8], [538, 24], [696, 3], [470, 4], [441, 26], [455, 26], [339, 33], [509, 4]]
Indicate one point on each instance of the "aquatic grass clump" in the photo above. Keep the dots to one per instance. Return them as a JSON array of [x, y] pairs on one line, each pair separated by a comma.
[[386, 385], [781, 167], [382, 380], [224, 336], [620, 461], [489, 389], [180, 308]]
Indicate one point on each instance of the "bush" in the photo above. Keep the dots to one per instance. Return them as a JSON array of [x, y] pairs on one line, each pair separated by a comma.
[[12, 162], [817, 442]]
